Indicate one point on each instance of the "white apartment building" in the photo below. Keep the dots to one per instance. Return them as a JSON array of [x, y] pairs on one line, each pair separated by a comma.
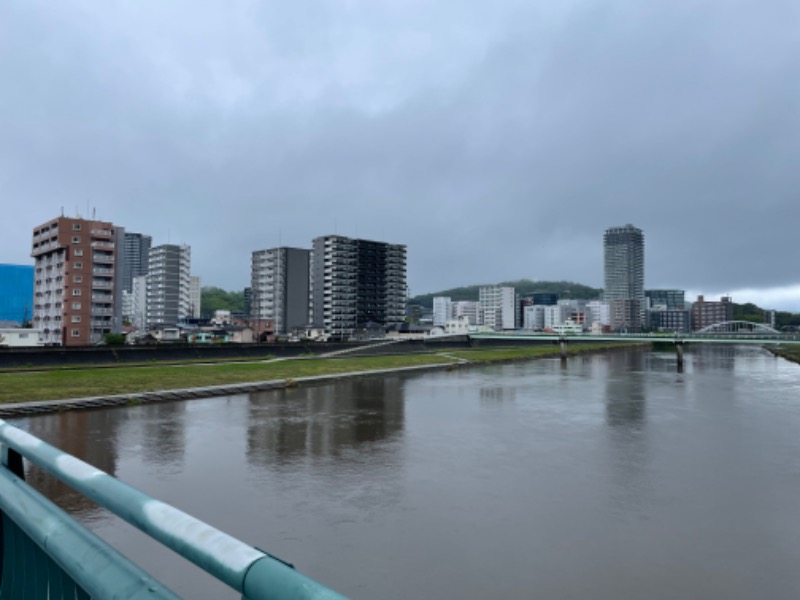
[[598, 312], [466, 308], [498, 307], [555, 315], [442, 310], [169, 285]]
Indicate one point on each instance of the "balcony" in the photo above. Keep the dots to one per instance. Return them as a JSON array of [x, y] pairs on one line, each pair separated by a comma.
[[103, 258]]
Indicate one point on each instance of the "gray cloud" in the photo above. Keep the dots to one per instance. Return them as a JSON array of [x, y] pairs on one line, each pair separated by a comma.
[[498, 142]]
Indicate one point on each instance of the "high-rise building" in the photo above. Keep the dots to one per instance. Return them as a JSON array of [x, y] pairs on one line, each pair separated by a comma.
[[77, 288], [279, 287], [169, 285], [623, 251], [355, 284], [135, 257], [498, 306]]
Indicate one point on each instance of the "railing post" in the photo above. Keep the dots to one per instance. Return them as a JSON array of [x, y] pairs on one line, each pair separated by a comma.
[[12, 460]]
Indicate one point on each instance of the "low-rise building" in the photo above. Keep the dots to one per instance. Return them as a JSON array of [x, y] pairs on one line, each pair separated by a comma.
[[13, 337]]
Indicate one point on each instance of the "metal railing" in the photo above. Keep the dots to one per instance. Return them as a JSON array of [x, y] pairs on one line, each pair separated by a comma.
[[43, 548]]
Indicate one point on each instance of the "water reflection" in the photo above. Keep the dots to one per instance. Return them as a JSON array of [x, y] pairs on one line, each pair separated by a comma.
[[290, 424], [163, 434], [626, 416], [625, 390], [90, 435], [497, 393]]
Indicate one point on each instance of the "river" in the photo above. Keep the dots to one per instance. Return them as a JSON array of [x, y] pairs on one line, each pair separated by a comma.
[[611, 476]]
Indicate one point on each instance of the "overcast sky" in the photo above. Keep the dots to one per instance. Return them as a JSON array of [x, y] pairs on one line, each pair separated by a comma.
[[498, 140]]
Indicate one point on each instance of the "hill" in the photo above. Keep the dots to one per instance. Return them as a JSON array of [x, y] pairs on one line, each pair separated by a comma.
[[524, 287]]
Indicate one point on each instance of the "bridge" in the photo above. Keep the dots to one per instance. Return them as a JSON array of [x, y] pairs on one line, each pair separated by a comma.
[[45, 553], [728, 332]]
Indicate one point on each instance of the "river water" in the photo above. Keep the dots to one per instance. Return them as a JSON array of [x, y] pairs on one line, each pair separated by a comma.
[[611, 476]]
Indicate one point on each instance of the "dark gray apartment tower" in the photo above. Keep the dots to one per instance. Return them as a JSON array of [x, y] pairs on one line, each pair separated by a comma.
[[169, 285], [356, 283], [135, 257], [623, 252], [279, 287]]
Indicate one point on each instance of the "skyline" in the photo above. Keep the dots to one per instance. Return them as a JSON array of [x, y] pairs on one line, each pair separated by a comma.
[[496, 143]]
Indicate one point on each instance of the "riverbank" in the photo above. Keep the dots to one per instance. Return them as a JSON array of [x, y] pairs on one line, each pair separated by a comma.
[[790, 353], [58, 390]]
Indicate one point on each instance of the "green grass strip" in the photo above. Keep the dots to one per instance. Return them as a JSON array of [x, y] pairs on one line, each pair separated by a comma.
[[58, 384]]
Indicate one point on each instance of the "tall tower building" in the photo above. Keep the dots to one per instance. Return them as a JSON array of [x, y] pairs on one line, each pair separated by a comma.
[[623, 251], [355, 283], [169, 285], [279, 287], [135, 256], [77, 284]]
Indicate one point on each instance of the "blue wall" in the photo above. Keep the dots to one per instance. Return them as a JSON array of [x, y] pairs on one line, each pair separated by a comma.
[[16, 293]]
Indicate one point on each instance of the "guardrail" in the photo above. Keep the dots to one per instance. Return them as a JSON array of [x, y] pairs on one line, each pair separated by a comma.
[[46, 553]]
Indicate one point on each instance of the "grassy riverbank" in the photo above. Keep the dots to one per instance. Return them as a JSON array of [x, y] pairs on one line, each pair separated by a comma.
[[57, 383], [791, 353]]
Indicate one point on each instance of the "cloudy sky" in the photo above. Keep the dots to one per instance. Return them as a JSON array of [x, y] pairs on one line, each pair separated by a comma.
[[497, 140]]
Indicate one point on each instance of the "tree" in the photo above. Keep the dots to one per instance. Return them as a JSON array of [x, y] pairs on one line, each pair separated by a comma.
[[114, 339]]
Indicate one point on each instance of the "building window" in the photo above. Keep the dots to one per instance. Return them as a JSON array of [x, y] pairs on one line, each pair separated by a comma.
[[76, 239], [76, 318], [76, 333], [76, 292], [77, 265], [76, 226], [76, 306], [77, 279], [78, 252]]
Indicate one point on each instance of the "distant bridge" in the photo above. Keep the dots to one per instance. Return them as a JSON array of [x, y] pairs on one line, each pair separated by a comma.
[[729, 332]]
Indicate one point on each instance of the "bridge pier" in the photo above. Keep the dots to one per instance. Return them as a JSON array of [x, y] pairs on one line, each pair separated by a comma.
[[679, 350], [563, 348]]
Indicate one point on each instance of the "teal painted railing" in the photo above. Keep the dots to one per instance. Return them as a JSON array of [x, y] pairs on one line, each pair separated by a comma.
[[45, 553]]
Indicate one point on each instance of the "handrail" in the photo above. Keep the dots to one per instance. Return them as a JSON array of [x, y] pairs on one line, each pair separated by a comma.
[[93, 564], [247, 570]]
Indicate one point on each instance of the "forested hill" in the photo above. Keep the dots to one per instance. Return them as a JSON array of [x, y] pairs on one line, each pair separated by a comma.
[[214, 298], [524, 287]]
